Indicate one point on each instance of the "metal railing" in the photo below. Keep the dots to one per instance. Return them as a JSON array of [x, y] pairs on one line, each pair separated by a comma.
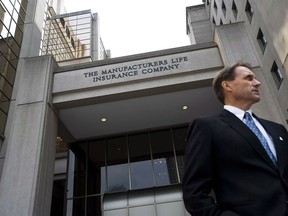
[[67, 36]]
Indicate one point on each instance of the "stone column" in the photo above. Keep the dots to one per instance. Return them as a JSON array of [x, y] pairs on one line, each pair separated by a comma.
[[27, 178], [95, 38]]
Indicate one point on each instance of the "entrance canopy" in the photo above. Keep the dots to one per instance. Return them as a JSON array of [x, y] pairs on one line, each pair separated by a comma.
[[139, 92]]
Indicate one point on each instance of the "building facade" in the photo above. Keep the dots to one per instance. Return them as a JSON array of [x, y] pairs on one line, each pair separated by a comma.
[[107, 137], [12, 16]]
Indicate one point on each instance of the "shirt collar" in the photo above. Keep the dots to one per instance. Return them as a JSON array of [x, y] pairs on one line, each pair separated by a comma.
[[236, 111]]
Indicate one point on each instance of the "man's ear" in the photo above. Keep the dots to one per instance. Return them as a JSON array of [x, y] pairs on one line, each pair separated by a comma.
[[226, 85]]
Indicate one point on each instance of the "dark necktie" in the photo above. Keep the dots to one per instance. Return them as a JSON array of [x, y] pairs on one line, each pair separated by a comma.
[[251, 124]]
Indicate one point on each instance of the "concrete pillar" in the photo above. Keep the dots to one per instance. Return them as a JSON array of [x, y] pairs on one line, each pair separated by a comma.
[[199, 24], [30, 47], [27, 178], [33, 27], [95, 38], [235, 44]]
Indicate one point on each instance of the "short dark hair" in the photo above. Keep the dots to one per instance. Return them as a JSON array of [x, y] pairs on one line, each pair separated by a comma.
[[226, 74]]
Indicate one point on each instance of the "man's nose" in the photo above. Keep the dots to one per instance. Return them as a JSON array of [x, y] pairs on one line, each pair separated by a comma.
[[256, 82]]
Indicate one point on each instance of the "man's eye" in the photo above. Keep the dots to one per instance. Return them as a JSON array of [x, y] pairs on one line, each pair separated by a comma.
[[249, 78]]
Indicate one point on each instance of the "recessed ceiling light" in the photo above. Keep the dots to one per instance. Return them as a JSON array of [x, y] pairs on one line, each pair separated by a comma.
[[103, 119], [185, 107]]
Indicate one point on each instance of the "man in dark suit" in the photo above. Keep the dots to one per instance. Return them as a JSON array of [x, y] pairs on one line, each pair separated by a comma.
[[224, 156]]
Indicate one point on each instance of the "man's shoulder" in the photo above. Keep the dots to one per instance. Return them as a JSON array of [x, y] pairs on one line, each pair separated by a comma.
[[214, 117], [267, 121], [207, 119], [270, 123]]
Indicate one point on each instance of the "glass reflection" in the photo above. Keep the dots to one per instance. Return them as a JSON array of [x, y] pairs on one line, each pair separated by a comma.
[[179, 136], [96, 175], [77, 170], [76, 207], [161, 172], [94, 206], [165, 170], [12, 15], [141, 174], [118, 178], [117, 164], [141, 164]]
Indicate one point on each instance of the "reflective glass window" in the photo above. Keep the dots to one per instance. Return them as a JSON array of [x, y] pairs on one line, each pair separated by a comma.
[[170, 209], [76, 207], [117, 164], [4, 103], [179, 136], [276, 74], [96, 175], [143, 211], [106, 166], [10, 43], [57, 206], [94, 206], [163, 158], [140, 161], [77, 170], [3, 119]]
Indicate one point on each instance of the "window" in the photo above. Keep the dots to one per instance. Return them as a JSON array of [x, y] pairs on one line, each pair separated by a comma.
[[179, 135], [249, 11], [12, 16], [215, 7], [224, 8], [58, 198], [122, 163], [163, 158], [234, 10], [62, 21], [73, 43], [117, 164], [261, 40], [67, 32], [276, 74], [77, 170], [96, 176], [140, 160]]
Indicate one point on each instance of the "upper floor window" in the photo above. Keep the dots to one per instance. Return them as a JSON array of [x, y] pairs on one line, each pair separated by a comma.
[[62, 21], [276, 74], [215, 7], [223, 8], [261, 40], [234, 10], [249, 11], [221, 22], [67, 32]]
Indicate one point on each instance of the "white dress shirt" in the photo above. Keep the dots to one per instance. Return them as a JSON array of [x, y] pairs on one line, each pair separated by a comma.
[[240, 114]]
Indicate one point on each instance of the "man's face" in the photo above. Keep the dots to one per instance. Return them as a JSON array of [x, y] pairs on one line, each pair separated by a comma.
[[244, 88]]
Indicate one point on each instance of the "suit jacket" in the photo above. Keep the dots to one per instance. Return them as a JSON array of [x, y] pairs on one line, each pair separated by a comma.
[[224, 155]]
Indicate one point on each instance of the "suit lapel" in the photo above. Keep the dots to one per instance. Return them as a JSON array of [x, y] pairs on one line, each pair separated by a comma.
[[236, 124], [281, 151]]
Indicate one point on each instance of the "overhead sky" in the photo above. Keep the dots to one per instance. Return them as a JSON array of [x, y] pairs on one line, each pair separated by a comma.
[[130, 27]]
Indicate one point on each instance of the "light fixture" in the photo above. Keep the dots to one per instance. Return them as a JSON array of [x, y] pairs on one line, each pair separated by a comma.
[[185, 107], [103, 119]]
